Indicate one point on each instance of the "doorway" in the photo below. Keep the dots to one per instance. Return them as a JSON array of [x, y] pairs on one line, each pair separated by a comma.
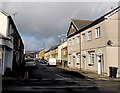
[[99, 65]]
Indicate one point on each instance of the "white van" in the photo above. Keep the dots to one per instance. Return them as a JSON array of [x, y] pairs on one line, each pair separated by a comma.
[[51, 62]]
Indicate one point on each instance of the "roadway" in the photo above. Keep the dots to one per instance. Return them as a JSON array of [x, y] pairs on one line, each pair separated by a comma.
[[46, 79]]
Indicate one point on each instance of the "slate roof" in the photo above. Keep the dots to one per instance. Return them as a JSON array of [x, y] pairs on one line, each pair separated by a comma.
[[81, 23], [78, 24]]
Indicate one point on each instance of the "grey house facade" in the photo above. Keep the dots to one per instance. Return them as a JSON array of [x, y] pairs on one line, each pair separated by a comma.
[[99, 44]]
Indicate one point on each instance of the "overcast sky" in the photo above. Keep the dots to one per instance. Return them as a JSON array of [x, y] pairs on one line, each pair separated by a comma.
[[40, 23]]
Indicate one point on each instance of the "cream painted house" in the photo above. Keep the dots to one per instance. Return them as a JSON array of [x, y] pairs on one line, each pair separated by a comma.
[[99, 44], [60, 48], [11, 45]]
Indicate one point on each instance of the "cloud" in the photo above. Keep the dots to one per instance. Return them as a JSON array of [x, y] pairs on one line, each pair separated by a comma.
[[42, 22], [31, 43]]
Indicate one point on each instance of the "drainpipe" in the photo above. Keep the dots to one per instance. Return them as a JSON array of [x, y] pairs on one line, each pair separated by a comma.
[[80, 50]]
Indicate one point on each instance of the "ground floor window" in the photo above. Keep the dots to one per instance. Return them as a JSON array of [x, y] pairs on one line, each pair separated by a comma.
[[91, 57]]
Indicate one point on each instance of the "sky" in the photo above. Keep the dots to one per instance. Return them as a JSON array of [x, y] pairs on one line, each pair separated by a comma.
[[40, 23]]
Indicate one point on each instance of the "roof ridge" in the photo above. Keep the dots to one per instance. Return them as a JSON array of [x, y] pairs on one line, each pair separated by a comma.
[[5, 13], [81, 20]]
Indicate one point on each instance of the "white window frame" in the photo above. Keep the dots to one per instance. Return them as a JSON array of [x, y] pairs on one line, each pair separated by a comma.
[[89, 35], [91, 57], [78, 40], [97, 32], [83, 37], [78, 59]]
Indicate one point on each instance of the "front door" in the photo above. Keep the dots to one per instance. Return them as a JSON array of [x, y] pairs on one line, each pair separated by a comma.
[[99, 65]]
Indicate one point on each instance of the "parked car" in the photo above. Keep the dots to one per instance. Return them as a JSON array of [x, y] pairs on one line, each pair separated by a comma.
[[43, 61], [30, 63]]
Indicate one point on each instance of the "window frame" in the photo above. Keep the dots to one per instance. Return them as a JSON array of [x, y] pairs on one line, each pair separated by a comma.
[[89, 35], [83, 38], [78, 40], [97, 32], [91, 57]]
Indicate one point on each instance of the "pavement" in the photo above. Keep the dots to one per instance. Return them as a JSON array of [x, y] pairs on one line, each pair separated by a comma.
[[92, 75]]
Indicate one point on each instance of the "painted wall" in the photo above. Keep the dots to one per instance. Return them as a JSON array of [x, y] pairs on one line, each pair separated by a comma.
[[109, 31], [73, 49], [3, 24]]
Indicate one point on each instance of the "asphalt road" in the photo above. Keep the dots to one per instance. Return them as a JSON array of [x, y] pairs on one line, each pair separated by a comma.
[[45, 79]]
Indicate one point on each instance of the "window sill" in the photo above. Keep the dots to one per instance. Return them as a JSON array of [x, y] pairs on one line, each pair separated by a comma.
[[89, 40], [90, 64], [97, 37]]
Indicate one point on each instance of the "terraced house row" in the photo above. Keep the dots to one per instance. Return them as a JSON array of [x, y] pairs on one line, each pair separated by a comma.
[[93, 45]]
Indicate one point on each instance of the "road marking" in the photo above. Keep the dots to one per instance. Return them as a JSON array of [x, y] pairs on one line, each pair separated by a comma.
[[57, 87], [46, 79], [33, 79], [60, 76], [64, 78], [59, 79]]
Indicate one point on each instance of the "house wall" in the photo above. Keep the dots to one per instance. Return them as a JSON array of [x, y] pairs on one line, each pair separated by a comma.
[[56, 53], [59, 52], [95, 44], [73, 49], [7, 45], [1, 56], [3, 24], [60, 47], [47, 55], [112, 33], [8, 59], [119, 42], [41, 54], [64, 53], [11, 41], [109, 31]]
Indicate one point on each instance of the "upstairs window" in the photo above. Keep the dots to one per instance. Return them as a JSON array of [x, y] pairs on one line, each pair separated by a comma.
[[98, 32], [83, 37], [78, 40], [89, 35]]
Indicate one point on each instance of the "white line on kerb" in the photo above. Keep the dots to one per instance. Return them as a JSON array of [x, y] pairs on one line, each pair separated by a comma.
[[60, 76]]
